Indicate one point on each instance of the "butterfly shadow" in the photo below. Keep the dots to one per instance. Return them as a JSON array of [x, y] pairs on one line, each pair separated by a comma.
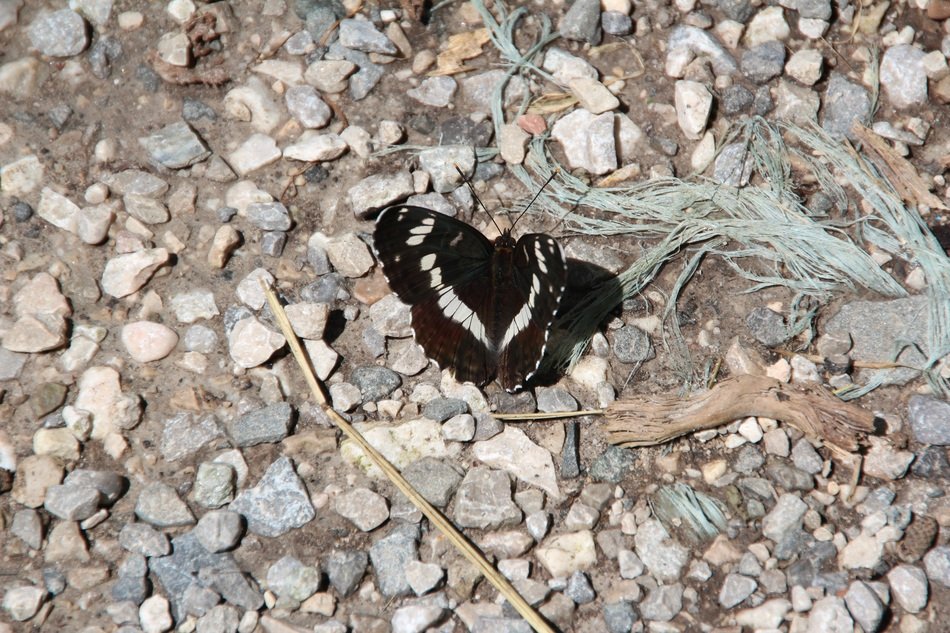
[[591, 295]]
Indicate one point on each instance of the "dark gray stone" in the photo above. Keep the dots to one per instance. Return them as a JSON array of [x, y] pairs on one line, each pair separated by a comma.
[[22, 212], [327, 289], [175, 146], [277, 504], [582, 22], [389, 556], [555, 399], [616, 23], [111, 485], [131, 588], [441, 409], [764, 61], [273, 243], [767, 327], [750, 459], [632, 345], [570, 454], [434, 479], [579, 588], [929, 420], [187, 433], [103, 54], [269, 216], [264, 426], [931, 462], [738, 10], [368, 75], [193, 110], [865, 606], [190, 563], [375, 382], [345, 569], [619, 617], [788, 477], [612, 465], [806, 458], [521, 402], [845, 102]]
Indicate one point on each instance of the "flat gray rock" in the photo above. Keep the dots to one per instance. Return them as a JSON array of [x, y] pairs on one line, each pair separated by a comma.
[[277, 504]]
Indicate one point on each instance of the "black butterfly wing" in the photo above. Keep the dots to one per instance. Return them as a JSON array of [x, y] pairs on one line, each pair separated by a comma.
[[440, 267], [539, 275]]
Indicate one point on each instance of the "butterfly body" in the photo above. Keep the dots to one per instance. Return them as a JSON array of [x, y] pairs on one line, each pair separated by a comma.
[[480, 307]]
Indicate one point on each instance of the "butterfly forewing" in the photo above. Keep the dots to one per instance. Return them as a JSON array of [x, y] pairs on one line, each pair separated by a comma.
[[439, 266], [539, 274]]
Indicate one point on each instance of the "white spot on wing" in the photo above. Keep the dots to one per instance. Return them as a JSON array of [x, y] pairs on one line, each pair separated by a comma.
[[415, 240], [427, 261], [519, 323], [435, 278]]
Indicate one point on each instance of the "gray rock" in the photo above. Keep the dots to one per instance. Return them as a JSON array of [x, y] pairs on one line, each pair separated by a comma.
[[478, 89], [133, 565], [277, 504], [364, 508], [662, 603], [28, 527], [375, 382], [612, 465], [829, 615], [844, 103], [487, 426], [214, 484], [811, 9], [784, 518], [735, 99], [937, 564], [749, 565], [570, 454], [750, 459], [194, 110], [264, 426], [109, 484], [767, 326], [632, 345], [175, 146], [688, 42], [865, 606], [903, 76], [292, 580], [664, 557], [619, 616], [929, 420], [733, 165], [134, 589], [191, 564], [305, 105], [187, 433], [554, 399], [273, 243], [72, 502], [764, 61], [582, 22], [434, 479], [159, 504], [441, 409], [221, 618], [389, 556], [484, 500], [909, 587], [345, 569], [579, 588], [143, 539], [773, 581], [61, 33], [435, 91], [269, 216], [616, 23], [806, 458], [199, 600], [11, 363], [106, 51], [788, 477], [735, 589], [368, 75], [320, 16], [361, 35], [147, 210], [219, 530]]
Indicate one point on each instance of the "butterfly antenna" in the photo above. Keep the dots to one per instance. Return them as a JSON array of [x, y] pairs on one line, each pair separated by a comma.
[[475, 195], [528, 206]]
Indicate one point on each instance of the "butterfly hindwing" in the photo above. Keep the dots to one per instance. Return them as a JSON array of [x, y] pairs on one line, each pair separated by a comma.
[[539, 275]]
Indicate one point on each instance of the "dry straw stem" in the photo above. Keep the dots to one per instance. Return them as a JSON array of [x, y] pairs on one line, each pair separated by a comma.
[[435, 517], [651, 420]]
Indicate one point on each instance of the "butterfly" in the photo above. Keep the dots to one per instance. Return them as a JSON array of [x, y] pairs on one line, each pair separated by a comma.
[[482, 308]]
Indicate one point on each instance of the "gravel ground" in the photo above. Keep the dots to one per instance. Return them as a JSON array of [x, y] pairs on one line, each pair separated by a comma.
[[161, 465]]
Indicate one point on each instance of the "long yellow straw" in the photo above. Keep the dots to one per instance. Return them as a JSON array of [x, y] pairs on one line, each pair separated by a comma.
[[434, 515]]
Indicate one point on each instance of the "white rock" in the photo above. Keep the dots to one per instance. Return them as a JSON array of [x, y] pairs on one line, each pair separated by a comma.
[[364, 508], [592, 95], [305, 105], [249, 290], [349, 255], [174, 49], [22, 603], [313, 146], [146, 341], [288, 72], [514, 452], [250, 343], [244, 193], [562, 555], [358, 140], [308, 319], [864, 552], [21, 176], [693, 105], [805, 66], [423, 577], [101, 395], [323, 357], [193, 305], [512, 143], [257, 151], [563, 66], [124, 274], [767, 25], [154, 615], [401, 445], [329, 75], [58, 210], [254, 103], [94, 222]]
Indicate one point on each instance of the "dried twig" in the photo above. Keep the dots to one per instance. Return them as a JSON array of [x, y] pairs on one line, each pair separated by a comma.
[[650, 420]]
